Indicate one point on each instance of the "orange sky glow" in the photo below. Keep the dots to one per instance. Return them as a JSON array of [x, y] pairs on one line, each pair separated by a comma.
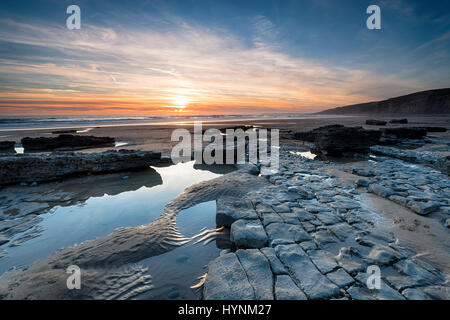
[[99, 70]]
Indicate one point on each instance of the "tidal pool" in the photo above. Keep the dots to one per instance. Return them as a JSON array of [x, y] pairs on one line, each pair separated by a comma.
[[174, 272], [305, 154]]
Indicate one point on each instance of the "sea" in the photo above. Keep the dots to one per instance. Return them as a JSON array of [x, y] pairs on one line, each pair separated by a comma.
[[85, 121]]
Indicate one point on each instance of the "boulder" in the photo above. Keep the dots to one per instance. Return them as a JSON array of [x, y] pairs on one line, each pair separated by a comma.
[[400, 121], [7, 146], [65, 141], [338, 140], [376, 122], [30, 168]]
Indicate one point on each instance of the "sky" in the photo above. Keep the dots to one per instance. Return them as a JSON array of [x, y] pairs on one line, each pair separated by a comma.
[[217, 56]]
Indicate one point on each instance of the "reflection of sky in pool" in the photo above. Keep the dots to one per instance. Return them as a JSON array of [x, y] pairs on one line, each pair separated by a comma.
[[175, 271], [305, 154], [65, 226]]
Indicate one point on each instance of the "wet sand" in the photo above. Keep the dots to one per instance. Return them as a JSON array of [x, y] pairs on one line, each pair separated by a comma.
[[156, 137]]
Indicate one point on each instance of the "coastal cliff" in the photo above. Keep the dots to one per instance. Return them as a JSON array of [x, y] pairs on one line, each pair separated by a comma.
[[424, 102]]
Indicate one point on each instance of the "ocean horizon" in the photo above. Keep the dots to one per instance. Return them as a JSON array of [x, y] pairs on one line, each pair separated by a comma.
[[84, 121]]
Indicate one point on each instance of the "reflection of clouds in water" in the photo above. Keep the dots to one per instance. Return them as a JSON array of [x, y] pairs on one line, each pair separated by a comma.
[[19, 150], [120, 144], [84, 130], [208, 235], [99, 216], [305, 154]]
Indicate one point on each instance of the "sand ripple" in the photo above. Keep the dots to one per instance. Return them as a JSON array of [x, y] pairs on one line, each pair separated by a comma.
[[107, 263]]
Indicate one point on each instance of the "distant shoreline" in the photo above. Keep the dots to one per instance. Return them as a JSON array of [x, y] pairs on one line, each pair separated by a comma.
[[53, 125]]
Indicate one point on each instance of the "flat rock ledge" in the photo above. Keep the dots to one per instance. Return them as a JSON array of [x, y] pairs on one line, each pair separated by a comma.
[[7, 146], [432, 159], [28, 168], [335, 140], [422, 190], [306, 235], [65, 142]]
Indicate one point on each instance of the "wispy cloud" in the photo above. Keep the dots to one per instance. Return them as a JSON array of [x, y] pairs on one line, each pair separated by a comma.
[[99, 69]]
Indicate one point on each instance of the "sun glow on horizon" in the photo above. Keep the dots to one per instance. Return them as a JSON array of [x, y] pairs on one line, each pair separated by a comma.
[[180, 103], [190, 69]]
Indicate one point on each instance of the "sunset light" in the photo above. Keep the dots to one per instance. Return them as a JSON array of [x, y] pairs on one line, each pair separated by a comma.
[[242, 61]]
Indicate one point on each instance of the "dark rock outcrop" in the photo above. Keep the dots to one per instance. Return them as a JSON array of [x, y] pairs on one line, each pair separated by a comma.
[[406, 133], [444, 165], [434, 129], [65, 141], [336, 139], [310, 136], [47, 167], [376, 122], [425, 102], [400, 121], [7, 146], [64, 131]]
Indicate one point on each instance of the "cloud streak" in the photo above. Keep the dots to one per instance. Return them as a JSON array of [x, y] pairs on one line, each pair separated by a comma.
[[106, 70]]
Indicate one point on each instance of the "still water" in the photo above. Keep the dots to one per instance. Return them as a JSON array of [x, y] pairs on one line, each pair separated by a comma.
[[173, 272]]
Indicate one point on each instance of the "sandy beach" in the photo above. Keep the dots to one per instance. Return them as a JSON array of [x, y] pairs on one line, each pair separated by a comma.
[[156, 137]]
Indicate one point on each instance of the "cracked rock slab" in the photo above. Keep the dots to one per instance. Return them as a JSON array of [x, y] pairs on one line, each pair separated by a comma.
[[305, 273], [282, 233], [227, 280], [275, 263], [350, 261], [414, 294], [324, 237], [341, 278], [423, 207], [285, 289], [258, 272], [323, 260], [384, 293], [229, 210], [248, 234]]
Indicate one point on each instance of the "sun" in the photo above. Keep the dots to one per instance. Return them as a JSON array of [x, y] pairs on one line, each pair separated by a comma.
[[181, 102]]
